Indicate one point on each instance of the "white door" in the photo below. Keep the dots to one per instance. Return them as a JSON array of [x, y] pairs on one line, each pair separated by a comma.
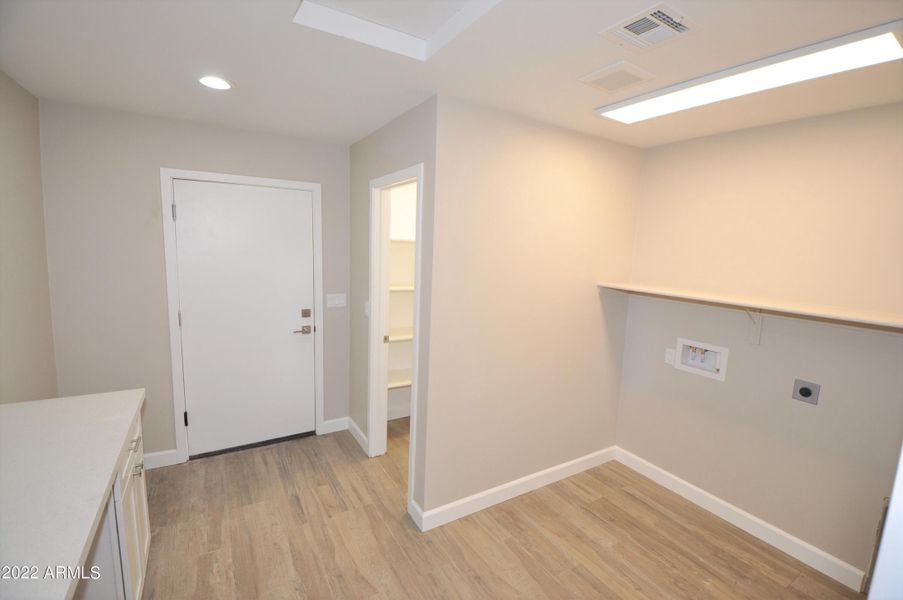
[[245, 261]]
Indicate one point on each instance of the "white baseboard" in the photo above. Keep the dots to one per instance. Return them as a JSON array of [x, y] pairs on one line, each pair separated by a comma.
[[416, 514], [398, 412], [803, 551], [358, 435], [333, 425], [471, 504], [164, 458]]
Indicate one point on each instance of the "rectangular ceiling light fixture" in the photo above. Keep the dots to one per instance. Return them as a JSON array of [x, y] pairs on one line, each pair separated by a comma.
[[853, 51]]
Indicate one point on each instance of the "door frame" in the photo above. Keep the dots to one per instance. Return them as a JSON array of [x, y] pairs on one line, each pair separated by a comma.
[[170, 256], [378, 352]]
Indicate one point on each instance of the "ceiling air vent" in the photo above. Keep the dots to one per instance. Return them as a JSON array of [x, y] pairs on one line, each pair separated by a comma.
[[654, 26], [616, 77]]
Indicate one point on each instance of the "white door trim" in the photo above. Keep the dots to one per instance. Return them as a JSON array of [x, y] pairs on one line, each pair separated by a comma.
[[170, 256], [377, 350], [377, 400]]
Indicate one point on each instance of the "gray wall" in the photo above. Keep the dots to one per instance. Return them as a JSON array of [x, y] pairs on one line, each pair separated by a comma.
[[27, 370], [404, 142], [524, 365], [102, 201], [808, 211], [817, 472]]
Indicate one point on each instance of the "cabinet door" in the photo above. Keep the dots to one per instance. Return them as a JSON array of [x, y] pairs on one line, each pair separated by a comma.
[[130, 491], [142, 521], [104, 557], [129, 548]]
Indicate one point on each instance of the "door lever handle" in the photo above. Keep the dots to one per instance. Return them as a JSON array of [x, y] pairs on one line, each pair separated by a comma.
[[304, 330]]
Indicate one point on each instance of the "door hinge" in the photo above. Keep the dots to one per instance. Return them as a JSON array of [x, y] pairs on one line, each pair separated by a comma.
[[180, 318], [173, 211], [185, 417]]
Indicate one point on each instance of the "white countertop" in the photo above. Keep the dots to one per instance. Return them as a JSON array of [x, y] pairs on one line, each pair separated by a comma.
[[57, 463]]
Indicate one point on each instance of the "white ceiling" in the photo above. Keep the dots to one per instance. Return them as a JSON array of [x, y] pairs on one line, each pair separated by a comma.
[[524, 56]]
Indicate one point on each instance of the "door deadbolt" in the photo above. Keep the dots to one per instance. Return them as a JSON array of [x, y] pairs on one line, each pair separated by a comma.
[[305, 313]]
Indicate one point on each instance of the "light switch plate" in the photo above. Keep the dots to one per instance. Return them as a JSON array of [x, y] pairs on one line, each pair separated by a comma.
[[335, 300]]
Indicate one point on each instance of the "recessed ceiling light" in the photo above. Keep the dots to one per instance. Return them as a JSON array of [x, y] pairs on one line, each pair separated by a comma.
[[214, 82], [854, 51]]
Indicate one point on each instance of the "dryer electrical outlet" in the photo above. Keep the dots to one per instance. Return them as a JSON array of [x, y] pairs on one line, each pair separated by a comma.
[[701, 358]]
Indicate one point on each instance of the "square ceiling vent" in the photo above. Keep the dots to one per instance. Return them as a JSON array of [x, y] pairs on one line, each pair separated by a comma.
[[413, 29], [614, 78], [656, 25]]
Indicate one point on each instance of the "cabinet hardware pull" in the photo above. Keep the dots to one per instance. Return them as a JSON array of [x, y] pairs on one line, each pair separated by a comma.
[[138, 470]]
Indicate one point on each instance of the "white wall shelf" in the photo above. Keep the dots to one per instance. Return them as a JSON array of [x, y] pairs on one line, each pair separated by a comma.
[[399, 378], [404, 334], [830, 313]]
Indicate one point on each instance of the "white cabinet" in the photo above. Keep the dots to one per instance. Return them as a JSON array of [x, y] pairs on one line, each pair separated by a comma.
[[64, 463], [130, 494], [122, 540]]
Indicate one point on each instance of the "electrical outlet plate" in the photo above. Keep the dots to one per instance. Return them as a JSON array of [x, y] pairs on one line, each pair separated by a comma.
[[806, 391]]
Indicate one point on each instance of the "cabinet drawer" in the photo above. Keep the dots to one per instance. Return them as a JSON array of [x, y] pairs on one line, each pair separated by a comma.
[[131, 514], [132, 454]]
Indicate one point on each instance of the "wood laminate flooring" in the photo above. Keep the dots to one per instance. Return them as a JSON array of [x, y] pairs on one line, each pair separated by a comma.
[[315, 518]]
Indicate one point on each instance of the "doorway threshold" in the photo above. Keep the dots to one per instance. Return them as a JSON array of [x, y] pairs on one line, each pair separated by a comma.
[[253, 445]]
